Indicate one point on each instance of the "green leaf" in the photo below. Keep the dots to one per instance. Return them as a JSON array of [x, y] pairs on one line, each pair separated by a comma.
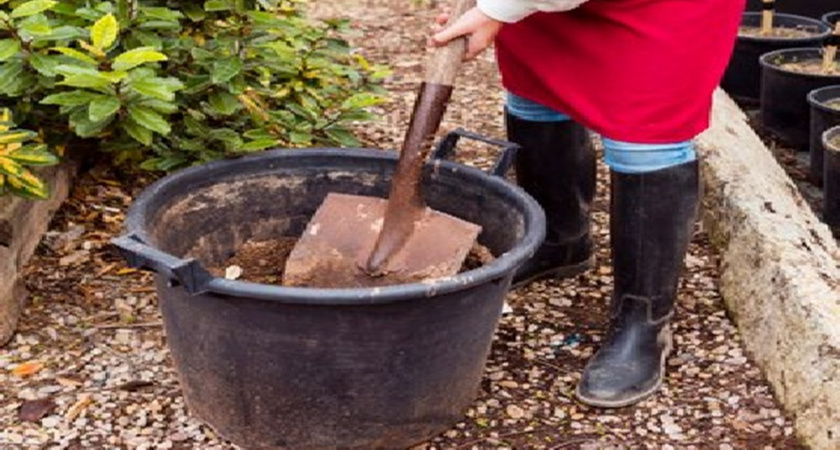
[[13, 136], [44, 64], [151, 88], [72, 98], [10, 167], [34, 155], [161, 106], [137, 56], [149, 118], [257, 145], [342, 137], [9, 73], [35, 26], [103, 108], [32, 7], [224, 103], [75, 54], [104, 32], [161, 13], [218, 5], [63, 33], [86, 81], [224, 70], [194, 12], [361, 100], [139, 133], [8, 48]]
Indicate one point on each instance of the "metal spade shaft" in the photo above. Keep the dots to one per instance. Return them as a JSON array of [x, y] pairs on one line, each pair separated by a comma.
[[405, 201]]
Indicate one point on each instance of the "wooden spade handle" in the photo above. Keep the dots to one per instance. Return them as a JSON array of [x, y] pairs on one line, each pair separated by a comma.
[[830, 50], [767, 16], [443, 65]]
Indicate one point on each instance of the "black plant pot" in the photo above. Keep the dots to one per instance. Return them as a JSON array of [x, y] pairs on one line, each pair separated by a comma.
[[810, 8], [831, 204], [831, 18], [784, 104], [743, 75], [822, 118], [273, 367]]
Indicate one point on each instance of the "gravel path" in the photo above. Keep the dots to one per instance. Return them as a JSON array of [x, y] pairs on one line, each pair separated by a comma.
[[90, 369]]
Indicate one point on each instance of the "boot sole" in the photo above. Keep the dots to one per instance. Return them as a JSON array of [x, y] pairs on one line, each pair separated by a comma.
[[599, 403], [558, 272]]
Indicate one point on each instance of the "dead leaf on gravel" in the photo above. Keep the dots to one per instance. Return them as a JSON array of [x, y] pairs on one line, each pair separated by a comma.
[[27, 369], [74, 258], [34, 410], [77, 408], [135, 385], [69, 382]]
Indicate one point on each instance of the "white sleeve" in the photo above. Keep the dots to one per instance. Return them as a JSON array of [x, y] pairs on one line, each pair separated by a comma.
[[515, 10]]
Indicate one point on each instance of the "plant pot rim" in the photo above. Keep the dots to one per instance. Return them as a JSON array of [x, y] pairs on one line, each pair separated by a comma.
[[820, 104], [816, 52], [826, 137], [534, 222], [826, 29]]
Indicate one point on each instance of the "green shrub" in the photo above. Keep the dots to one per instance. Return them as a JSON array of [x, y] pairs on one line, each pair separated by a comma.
[[172, 83], [20, 150]]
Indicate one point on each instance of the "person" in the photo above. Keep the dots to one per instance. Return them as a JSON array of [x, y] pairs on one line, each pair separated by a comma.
[[641, 74]]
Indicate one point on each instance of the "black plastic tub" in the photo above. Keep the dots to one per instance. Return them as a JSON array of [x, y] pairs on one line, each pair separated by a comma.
[[742, 79], [822, 118], [831, 18], [810, 8], [275, 367], [831, 191], [784, 95]]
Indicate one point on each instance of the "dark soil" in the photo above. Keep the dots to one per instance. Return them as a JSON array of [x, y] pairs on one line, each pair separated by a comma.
[[263, 261], [777, 32]]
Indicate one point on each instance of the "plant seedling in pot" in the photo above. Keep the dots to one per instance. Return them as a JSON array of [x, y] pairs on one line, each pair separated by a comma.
[[357, 241]]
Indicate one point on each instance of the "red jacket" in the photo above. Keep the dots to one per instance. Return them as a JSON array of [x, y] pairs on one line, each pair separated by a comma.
[[640, 71]]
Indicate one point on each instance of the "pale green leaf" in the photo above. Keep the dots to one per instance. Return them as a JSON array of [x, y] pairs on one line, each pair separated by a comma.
[[32, 7], [72, 98], [103, 108], [34, 155], [44, 64], [218, 5], [224, 103], [149, 118], [8, 48], [137, 56], [224, 70], [156, 87], [75, 54], [139, 133], [104, 32]]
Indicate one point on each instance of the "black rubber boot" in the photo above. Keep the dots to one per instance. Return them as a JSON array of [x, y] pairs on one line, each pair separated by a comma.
[[651, 221], [556, 166]]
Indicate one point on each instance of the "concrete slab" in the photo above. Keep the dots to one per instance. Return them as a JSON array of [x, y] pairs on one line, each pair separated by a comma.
[[780, 272]]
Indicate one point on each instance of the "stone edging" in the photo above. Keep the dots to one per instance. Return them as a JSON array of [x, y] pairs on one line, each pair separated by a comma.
[[22, 225], [780, 275]]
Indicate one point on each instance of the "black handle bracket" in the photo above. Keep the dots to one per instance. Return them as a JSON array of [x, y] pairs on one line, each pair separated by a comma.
[[445, 150], [187, 272]]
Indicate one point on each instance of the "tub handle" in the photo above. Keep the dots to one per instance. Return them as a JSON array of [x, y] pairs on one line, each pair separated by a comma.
[[187, 272], [446, 149]]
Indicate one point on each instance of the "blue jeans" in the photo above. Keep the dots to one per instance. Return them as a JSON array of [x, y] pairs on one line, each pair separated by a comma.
[[624, 157]]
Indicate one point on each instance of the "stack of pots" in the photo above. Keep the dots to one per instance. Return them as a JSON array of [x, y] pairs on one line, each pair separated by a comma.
[[810, 8], [831, 204], [825, 114], [743, 74]]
